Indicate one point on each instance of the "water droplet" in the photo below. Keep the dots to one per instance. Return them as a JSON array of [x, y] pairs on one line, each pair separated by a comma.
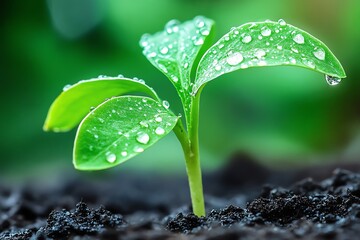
[[309, 63], [164, 50], [265, 31], [96, 136], [199, 41], [120, 76], [299, 38], [294, 50], [292, 60], [246, 38], [279, 47], [260, 53], [144, 100], [199, 21], [144, 40], [234, 58], [186, 65], [319, 54], [124, 153], [332, 81], [166, 104], [110, 157], [282, 22], [221, 46], [101, 120], [226, 38], [172, 26], [217, 67], [66, 87], [142, 137], [92, 108], [205, 32], [174, 78], [158, 119], [120, 132], [144, 124], [138, 149], [102, 76], [152, 54], [159, 131]]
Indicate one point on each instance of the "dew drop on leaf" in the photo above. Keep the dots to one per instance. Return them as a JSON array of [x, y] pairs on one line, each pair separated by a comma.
[[144, 40], [265, 31], [172, 26], [96, 136], [164, 50], [166, 104], [159, 131], [124, 153], [299, 38], [142, 137], [319, 54], [144, 124], [152, 54], [234, 58], [246, 38], [260, 53], [282, 22], [158, 119], [332, 81], [217, 67], [66, 87], [199, 22], [110, 157], [198, 41], [138, 149], [120, 76]]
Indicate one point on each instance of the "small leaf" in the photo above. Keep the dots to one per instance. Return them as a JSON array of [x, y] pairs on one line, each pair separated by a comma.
[[266, 44], [75, 101], [120, 129], [174, 52]]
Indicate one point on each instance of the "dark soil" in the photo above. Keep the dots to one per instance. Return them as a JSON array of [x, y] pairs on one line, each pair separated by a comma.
[[244, 201]]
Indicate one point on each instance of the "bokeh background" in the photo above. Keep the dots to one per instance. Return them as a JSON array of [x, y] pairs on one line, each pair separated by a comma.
[[282, 116]]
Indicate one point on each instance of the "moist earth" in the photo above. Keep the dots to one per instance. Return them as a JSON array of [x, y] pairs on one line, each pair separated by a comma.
[[244, 201]]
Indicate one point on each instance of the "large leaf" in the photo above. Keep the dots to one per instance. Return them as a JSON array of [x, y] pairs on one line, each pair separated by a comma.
[[119, 129], [266, 44], [72, 105], [174, 52]]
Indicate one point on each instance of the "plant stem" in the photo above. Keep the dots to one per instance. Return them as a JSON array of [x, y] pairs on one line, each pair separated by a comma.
[[190, 146]]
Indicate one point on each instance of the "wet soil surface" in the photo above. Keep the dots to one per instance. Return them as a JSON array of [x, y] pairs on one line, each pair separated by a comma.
[[244, 201]]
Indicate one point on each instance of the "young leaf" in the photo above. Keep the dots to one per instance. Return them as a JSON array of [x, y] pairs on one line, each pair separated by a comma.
[[266, 44], [119, 129], [75, 101], [174, 52]]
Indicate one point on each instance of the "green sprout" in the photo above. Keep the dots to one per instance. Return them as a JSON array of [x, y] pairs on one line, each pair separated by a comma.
[[116, 125]]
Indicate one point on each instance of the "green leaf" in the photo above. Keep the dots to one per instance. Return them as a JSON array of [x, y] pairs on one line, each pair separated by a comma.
[[174, 52], [75, 101], [120, 129], [266, 44]]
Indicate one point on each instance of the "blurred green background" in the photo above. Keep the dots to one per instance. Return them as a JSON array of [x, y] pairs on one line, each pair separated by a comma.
[[280, 116]]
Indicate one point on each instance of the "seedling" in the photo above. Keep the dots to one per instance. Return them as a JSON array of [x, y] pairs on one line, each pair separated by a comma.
[[116, 126]]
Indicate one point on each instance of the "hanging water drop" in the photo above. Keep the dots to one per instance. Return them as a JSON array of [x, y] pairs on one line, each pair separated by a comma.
[[120, 76], [199, 21], [159, 131], [332, 81], [102, 76], [142, 137], [234, 58], [299, 38], [110, 157], [166, 104]]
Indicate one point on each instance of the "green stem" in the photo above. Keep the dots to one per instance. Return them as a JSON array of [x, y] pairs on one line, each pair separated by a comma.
[[190, 145]]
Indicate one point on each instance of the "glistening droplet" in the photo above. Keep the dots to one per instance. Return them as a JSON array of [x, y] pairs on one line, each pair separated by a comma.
[[234, 58], [142, 137], [332, 81]]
